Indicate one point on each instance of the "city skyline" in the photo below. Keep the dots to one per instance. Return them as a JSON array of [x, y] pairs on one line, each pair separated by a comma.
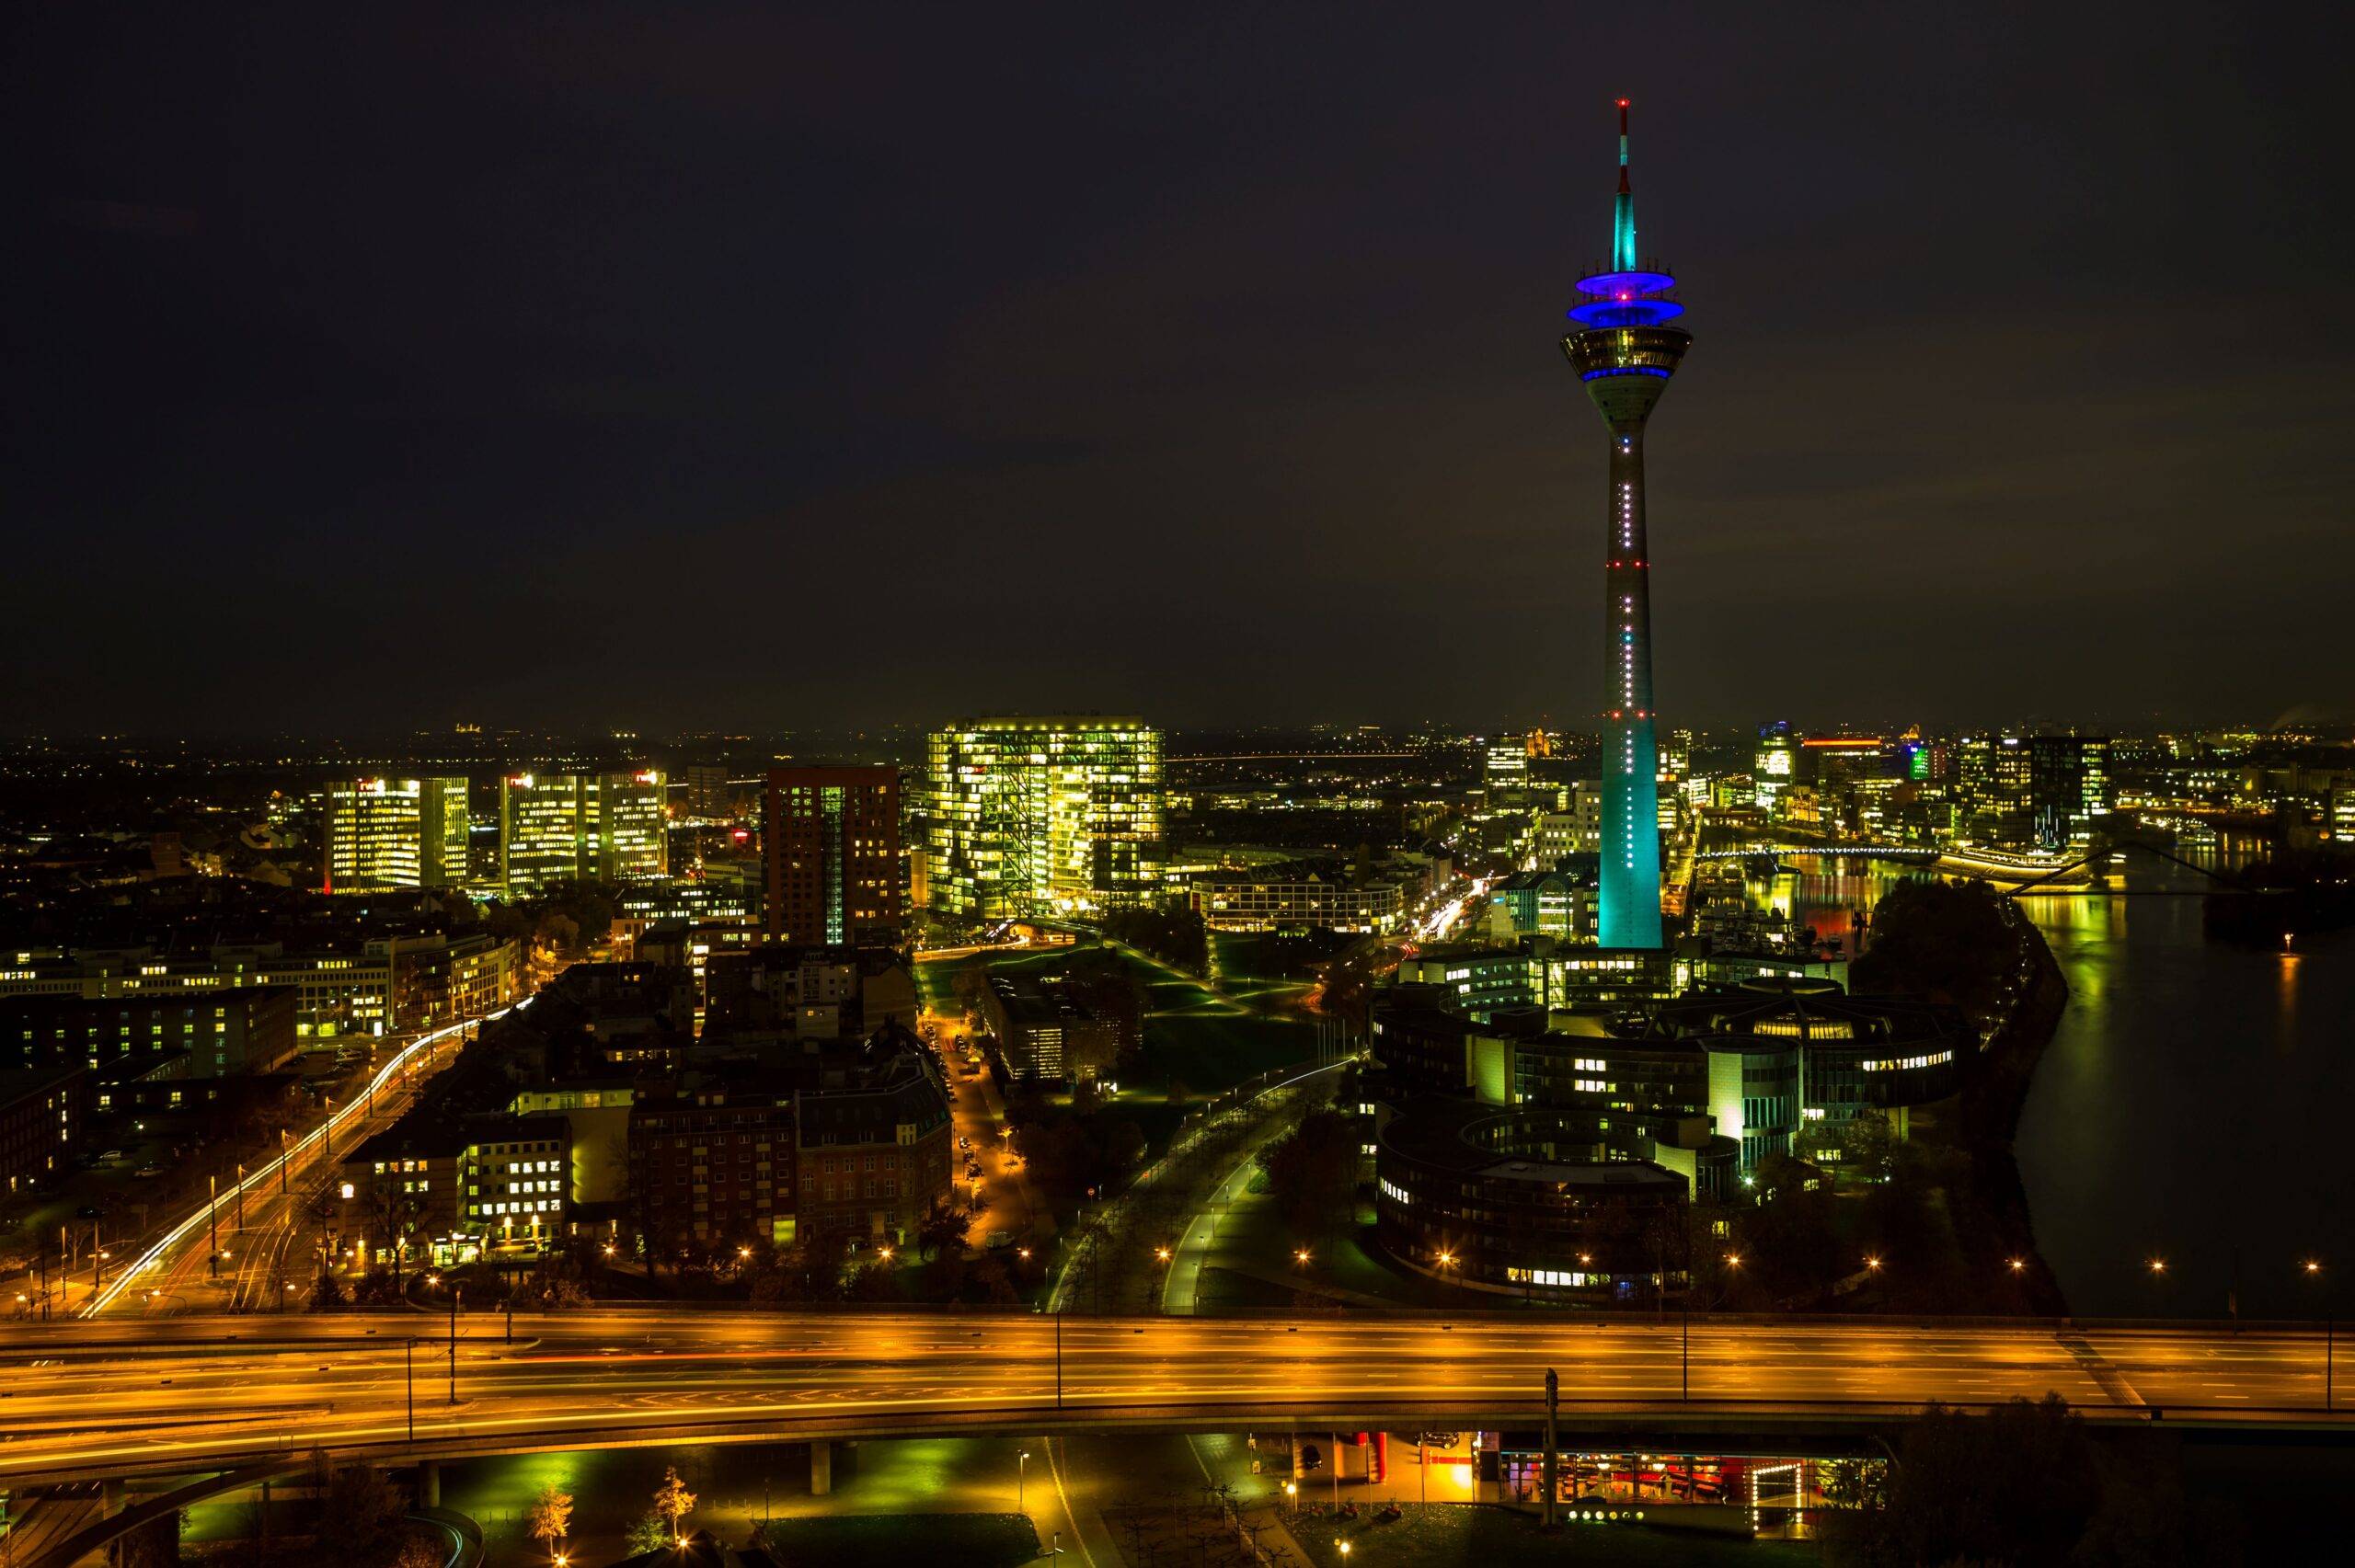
[[707, 327]]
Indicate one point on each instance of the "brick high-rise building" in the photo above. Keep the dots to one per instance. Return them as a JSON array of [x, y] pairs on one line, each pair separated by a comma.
[[831, 838]]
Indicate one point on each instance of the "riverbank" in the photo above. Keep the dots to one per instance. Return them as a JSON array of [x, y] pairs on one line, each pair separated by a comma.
[[1987, 1123]]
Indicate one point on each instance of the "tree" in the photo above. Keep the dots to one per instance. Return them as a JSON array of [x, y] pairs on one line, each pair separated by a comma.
[[945, 1230], [1940, 941], [1311, 1169], [649, 1533], [327, 1292], [2017, 1484], [551, 1516], [360, 1513], [673, 1500]]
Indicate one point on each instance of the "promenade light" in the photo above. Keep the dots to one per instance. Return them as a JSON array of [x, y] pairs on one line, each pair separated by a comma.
[[2310, 1266], [1022, 1253], [1343, 1545], [1733, 1260], [1872, 1264], [2158, 1265], [1161, 1253], [885, 1253], [2017, 1265], [1300, 1254], [743, 1251], [1447, 1260], [1292, 1488], [609, 1249]]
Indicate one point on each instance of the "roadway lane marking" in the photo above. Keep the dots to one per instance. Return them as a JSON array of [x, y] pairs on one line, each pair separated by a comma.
[[1078, 1536]]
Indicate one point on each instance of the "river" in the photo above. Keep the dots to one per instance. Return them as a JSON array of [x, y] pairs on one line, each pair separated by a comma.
[[2189, 1107]]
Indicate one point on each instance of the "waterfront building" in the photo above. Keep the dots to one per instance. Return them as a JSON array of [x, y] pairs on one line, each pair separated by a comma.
[[554, 828], [2069, 785], [829, 837], [1624, 351], [1043, 816], [382, 834], [1774, 767]]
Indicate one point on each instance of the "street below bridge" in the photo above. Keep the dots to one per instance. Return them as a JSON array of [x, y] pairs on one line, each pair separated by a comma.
[[108, 1399]]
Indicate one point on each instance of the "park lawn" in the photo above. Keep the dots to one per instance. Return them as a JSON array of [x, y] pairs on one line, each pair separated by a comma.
[[1208, 1053], [1193, 1036], [1445, 1535], [886, 1540]]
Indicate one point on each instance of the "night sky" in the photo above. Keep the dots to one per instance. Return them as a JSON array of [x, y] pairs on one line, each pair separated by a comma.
[[731, 367]]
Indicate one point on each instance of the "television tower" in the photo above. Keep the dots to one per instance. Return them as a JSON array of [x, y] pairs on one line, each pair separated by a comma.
[[1624, 351]]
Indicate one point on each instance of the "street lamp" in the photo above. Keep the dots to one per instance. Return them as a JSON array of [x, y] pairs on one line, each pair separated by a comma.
[[2311, 1269], [1162, 1254], [1021, 1478], [1300, 1256], [2158, 1265], [1446, 1260], [2016, 1265], [1341, 1544], [1872, 1264]]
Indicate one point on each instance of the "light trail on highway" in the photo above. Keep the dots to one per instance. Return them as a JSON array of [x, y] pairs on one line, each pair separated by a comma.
[[198, 1225], [170, 1395]]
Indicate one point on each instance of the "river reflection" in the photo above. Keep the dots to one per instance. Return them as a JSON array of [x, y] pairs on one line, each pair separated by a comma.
[[2192, 1104]]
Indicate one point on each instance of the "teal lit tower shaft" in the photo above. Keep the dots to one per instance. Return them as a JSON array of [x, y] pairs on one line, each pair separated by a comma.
[[1624, 352]]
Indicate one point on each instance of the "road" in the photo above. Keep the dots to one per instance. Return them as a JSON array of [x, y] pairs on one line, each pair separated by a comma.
[[171, 1275], [81, 1400]]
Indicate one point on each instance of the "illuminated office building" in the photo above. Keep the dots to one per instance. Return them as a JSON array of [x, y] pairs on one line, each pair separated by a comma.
[[609, 827], [1775, 765], [1043, 816], [390, 834], [1508, 763], [2068, 788], [1624, 352], [831, 839]]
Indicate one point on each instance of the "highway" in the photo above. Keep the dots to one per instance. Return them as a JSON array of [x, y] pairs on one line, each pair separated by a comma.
[[96, 1398], [171, 1274]]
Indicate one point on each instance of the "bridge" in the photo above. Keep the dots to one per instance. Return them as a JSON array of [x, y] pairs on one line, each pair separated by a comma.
[[1836, 852], [107, 1401]]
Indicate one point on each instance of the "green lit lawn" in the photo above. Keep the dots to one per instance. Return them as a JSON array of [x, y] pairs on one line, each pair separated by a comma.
[[982, 1540], [1441, 1537], [1193, 1035]]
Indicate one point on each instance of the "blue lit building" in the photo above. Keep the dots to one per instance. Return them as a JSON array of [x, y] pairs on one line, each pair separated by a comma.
[[1624, 352]]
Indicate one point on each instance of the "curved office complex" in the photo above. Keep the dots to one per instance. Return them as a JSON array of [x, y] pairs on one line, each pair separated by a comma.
[[1782, 1053], [1510, 1199], [1624, 352]]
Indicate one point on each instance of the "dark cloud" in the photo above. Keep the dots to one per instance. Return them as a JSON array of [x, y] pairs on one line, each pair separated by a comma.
[[579, 364]]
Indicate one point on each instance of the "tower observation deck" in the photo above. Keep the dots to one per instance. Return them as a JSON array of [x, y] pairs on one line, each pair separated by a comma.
[[1624, 351]]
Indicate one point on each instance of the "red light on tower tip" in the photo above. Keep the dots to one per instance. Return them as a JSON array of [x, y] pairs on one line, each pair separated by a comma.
[[1622, 103]]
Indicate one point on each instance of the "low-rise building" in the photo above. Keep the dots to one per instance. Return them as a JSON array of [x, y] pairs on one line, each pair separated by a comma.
[[41, 1111], [713, 1169], [874, 1159], [1510, 1200], [1297, 897], [226, 1033]]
